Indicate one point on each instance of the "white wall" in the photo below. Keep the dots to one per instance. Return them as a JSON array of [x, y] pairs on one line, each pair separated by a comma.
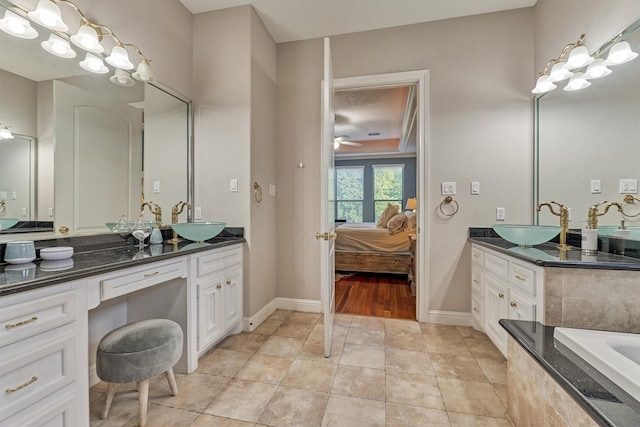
[[480, 129], [19, 107]]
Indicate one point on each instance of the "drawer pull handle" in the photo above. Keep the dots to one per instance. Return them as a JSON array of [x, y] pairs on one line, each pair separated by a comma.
[[229, 281], [476, 256], [24, 322], [513, 304], [21, 386], [476, 309], [501, 295], [520, 278], [476, 281], [155, 273], [218, 286]]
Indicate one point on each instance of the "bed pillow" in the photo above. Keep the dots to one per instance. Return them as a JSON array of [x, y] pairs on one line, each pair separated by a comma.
[[411, 220], [397, 224], [386, 215]]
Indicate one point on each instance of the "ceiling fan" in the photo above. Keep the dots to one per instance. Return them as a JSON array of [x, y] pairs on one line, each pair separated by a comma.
[[344, 140]]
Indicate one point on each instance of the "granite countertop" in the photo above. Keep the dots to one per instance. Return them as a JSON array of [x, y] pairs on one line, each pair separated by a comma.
[[103, 254], [607, 403], [548, 254]]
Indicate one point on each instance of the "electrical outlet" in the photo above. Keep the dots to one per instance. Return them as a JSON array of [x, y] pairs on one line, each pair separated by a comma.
[[448, 188], [197, 213], [500, 214], [475, 188], [628, 186]]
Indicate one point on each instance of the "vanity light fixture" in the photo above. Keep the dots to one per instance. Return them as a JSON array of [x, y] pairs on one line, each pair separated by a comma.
[[572, 56], [559, 72], [5, 133], [619, 54], [544, 84], [122, 78], [58, 46], [89, 37], [577, 82], [17, 26], [597, 69], [93, 64]]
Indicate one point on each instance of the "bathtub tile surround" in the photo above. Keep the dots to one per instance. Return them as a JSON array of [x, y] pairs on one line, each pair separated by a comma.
[[550, 386], [277, 376]]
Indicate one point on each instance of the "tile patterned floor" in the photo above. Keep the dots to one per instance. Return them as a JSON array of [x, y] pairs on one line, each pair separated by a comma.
[[382, 372]]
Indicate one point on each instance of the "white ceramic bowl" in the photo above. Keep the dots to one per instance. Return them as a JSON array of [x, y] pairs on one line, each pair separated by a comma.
[[56, 265], [19, 252], [55, 253]]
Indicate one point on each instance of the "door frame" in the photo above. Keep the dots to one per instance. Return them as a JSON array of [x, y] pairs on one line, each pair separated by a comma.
[[421, 78]]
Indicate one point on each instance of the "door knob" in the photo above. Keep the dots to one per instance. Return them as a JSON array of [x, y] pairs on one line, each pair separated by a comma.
[[63, 229], [326, 236]]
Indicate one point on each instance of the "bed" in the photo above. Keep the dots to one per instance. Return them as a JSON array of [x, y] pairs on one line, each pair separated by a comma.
[[364, 247]]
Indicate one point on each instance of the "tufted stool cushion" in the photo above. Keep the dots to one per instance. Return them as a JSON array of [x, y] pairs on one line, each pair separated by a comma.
[[137, 352]]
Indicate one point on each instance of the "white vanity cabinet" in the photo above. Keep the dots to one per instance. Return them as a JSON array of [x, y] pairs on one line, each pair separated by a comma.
[[43, 344], [503, 287], [218, 277]]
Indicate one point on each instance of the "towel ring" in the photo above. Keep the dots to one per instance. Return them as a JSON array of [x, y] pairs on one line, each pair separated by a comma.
[[257, 192], [629, 200], [3, 207], [448, 200]]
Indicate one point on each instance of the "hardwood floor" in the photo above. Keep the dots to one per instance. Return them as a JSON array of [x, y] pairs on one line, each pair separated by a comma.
[[377, 295]]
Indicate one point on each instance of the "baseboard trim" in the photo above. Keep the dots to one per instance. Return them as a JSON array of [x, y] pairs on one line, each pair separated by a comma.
[[455, 318], [249, 324]]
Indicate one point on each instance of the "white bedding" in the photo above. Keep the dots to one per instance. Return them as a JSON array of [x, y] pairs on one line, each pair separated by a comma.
[[366, 236]]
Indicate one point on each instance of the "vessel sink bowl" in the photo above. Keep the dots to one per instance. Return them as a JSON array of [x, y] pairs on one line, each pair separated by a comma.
[[7, 223], [198, 231], [633, 233], [526, 235], [616, 355]]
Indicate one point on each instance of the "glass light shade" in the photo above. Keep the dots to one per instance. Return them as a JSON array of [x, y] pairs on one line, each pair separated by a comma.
[[5, 133], [619, 54], [143, 72], [93, 64], [48, 15], [559, 72], [597, 69], [58, 46], [577, 82], [18, 26], [579, 57], [543, 85], [336, 143], [412, 204], [119, 58], [122, 78], [87, 38]]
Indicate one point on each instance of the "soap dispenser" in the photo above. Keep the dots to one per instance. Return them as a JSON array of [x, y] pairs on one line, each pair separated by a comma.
[[156, 235], [589, 240], [622, 231]]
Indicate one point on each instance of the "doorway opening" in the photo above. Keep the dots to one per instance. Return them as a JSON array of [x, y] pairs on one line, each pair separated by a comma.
[[380, 164]]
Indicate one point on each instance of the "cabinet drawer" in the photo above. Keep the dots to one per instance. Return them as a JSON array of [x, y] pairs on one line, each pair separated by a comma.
[[477, 256], [35, 368], [497, 266], [131, 280], [219, 260], [523, 278], [521, 308], [477, 287], [23, 320], [477, 312], [57, 410]]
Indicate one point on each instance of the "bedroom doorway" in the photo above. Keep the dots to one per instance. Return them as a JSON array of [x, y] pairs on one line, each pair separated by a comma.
[[364, 134]]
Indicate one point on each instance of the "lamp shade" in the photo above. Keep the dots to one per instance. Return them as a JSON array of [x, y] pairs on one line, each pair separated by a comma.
[[5, 133], [17, 26], [597, 69], [577, 82], [48, 15], [579, 57], [94, 64], [119, 58], [87, 38], [543, 85], [412, 204], [143, 72], [619, 54], [58, 46], [559, 72], [122, 78]]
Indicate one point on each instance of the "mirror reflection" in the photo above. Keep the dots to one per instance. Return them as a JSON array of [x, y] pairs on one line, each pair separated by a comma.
[[588, 146], [98, 150]]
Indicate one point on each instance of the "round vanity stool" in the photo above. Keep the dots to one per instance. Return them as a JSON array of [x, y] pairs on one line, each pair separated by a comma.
[[137, 352]]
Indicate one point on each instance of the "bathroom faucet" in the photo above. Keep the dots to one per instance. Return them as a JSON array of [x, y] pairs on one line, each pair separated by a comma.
[[175, 211], [564, 220], [154, 209], [594, 214]]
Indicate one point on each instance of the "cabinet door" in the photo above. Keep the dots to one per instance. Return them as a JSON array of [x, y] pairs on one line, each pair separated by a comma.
[[521, 308], [477, 312], [496, 308], [209, 311], [232, 297]]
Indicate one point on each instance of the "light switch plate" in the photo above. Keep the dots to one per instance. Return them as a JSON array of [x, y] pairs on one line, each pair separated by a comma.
[[14, 195], [233, 185], [448, 188], [628, 186], [475, 187], [3, 195], [272, 190], [500, 214], [596, 187], [197, 212], [156, 187]]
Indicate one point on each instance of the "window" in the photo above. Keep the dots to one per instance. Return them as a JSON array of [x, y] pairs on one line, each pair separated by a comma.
[[387, 187], [349, 193]]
